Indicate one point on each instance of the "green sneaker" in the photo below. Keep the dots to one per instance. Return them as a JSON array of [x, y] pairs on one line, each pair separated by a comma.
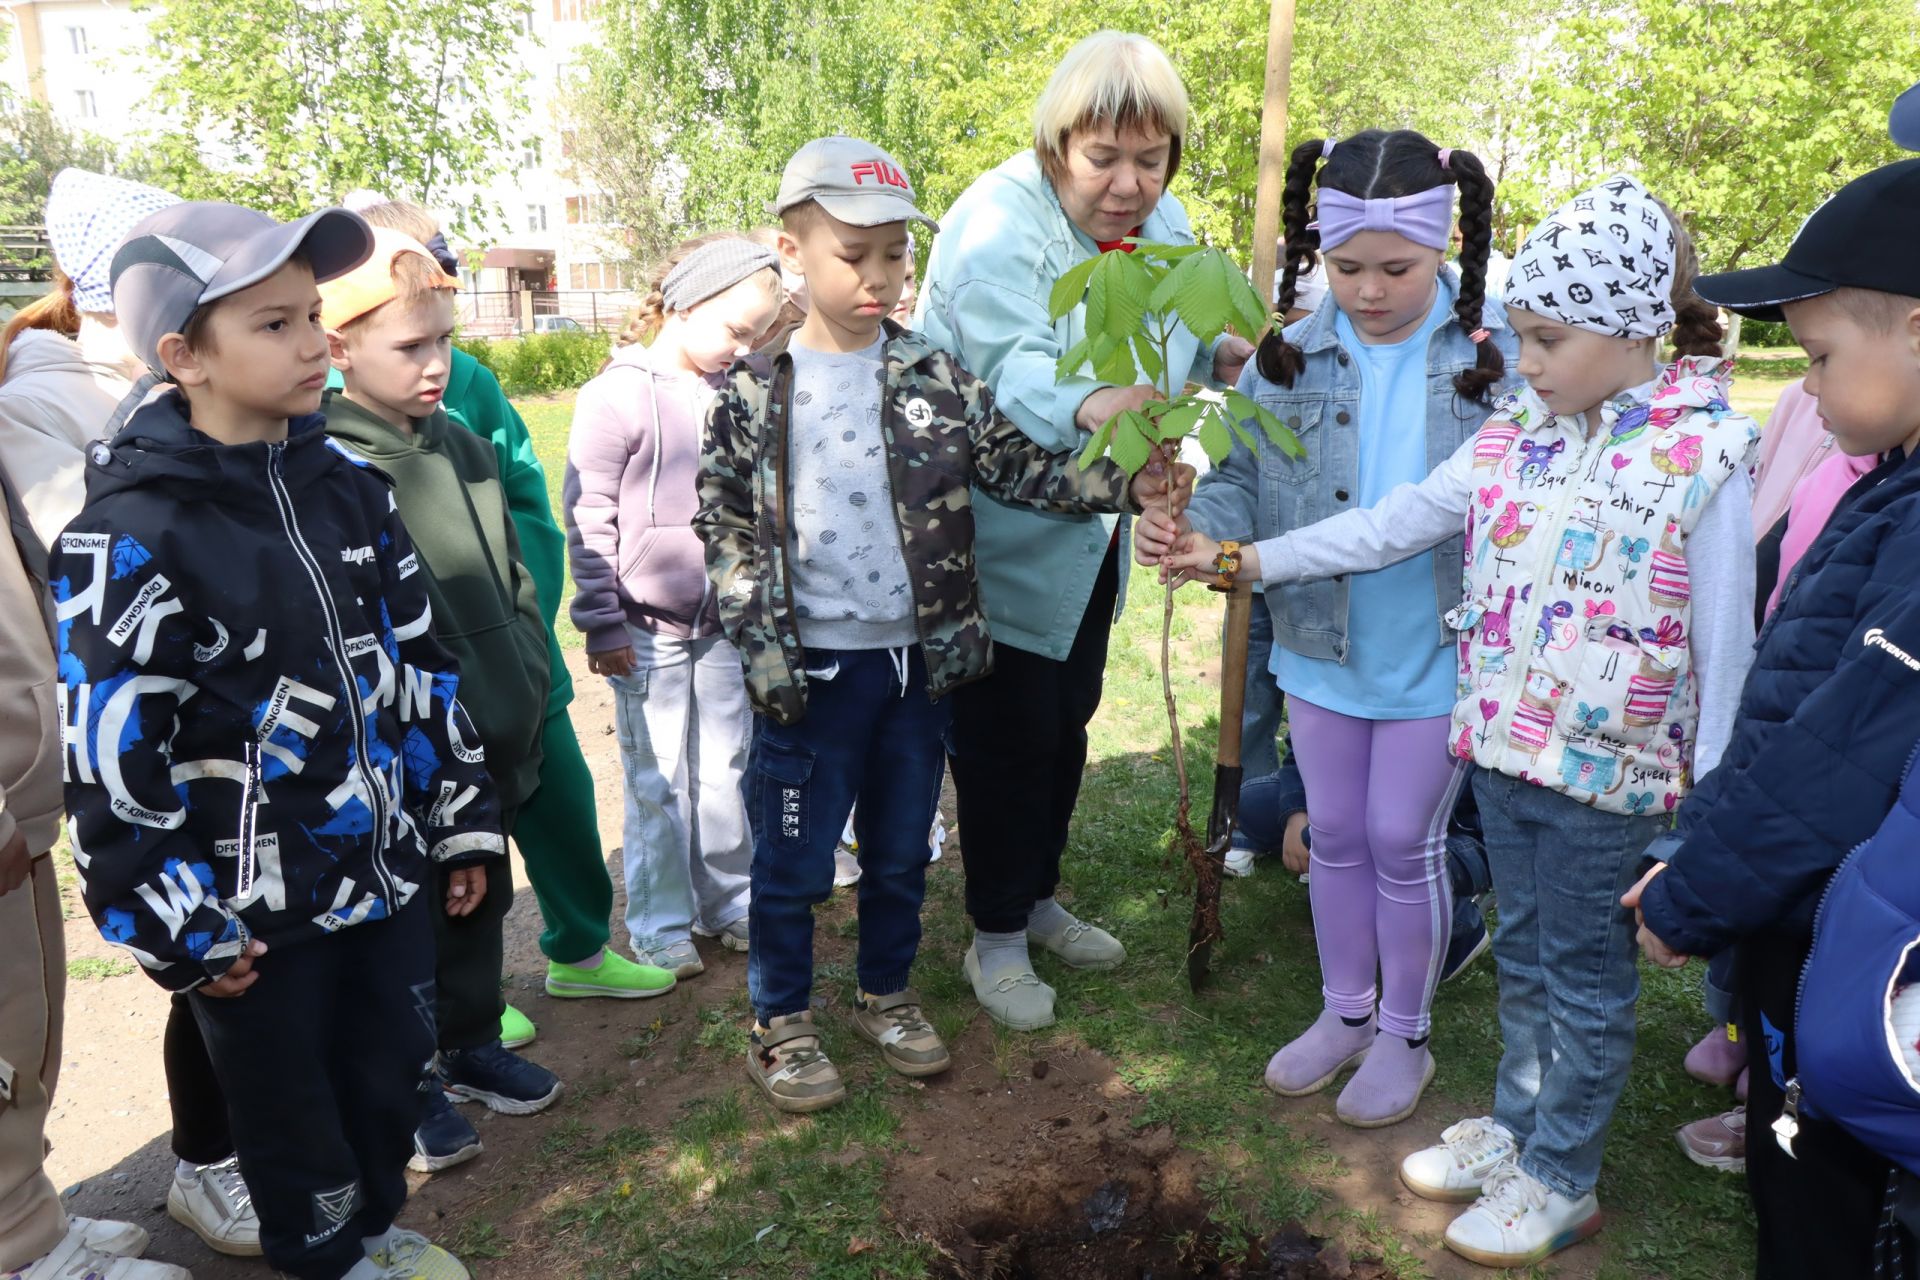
[[790, 1067], [615, 976], [516, 1029], [907, 1040], [408, 1255]]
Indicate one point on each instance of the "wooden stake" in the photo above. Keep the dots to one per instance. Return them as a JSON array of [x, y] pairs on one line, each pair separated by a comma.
[[1273, 146]]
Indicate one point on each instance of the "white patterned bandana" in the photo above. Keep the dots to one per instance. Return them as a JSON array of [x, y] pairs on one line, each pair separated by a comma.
[[88, 215], [1603, 261]]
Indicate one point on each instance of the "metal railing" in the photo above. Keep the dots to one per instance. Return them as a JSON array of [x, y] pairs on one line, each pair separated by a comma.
[[505, 313], [25, 254]]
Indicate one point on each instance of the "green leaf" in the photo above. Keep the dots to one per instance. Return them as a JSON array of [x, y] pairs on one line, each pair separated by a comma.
[[1200, 286], [1096, 444], [1147, 352], [1215, 440], [1070, 287], [1250, 316], [1277, 432], [1069, 363], [1179, 418], [1117, 296], [1168, 252], [1113, 361], [1246, 436], [1132, 445]]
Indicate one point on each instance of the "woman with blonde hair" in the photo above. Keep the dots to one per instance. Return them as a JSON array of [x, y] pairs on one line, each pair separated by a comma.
[[1107, 136]]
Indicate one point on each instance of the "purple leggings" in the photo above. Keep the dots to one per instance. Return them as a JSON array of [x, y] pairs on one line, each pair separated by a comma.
[[1378, 796]]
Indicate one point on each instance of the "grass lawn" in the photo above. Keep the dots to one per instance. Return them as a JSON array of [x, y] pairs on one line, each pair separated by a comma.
[[725, 1188]]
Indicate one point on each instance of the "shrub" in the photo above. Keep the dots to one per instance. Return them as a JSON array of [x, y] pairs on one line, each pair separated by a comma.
[[541, 363]]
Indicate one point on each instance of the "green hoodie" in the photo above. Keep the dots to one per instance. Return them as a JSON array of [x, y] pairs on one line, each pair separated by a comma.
[[475, 401], [486, 607]]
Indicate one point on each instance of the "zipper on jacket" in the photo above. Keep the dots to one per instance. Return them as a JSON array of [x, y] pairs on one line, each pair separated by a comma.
[[773, 531], [887, 389], [337, 646]]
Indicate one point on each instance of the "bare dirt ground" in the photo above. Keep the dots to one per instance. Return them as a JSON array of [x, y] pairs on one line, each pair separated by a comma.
[[990, 1159]]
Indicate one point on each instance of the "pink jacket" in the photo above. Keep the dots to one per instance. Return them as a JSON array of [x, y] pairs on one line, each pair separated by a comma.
[[1795, 441], [633, 462], [1813, 502]]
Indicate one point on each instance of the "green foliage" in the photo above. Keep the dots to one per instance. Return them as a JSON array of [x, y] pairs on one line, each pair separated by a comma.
[[1741, 114], [1134, 303], [304, 100], [540, 363]]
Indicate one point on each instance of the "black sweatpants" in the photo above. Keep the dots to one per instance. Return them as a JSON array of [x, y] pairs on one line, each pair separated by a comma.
[[324, 1060], [470, 957], [1820, 1209], [200, 1131], [1018, 748]]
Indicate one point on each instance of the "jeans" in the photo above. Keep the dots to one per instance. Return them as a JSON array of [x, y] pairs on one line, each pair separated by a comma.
[[683, 722], [1568, 971], [869, 731], [1260, 720]]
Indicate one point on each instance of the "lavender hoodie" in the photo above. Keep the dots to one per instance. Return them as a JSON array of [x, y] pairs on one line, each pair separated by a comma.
[[633, 459]]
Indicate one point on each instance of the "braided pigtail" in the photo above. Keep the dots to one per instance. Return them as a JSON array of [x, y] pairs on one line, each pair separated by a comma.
[[1476, 240], [1696, 323], [1279, 361]]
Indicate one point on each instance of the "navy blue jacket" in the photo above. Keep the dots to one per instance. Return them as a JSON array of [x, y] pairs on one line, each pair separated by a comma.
[[1826, 722], [263, 736]]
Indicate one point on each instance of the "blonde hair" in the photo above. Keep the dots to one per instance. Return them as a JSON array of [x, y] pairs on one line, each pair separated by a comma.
[[1111, 77], [644, 324], [415, 277], [403, 216], [53, 310]]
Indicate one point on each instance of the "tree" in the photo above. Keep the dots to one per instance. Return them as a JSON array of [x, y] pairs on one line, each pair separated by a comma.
[[34, 146], [1741, 114], [292, 103]]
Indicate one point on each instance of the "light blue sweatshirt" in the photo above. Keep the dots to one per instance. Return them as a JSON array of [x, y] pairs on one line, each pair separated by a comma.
[[1000, 248]]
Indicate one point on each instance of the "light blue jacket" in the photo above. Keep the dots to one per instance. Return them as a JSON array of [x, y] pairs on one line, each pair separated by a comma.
[[1000, 248], [1270, 494]]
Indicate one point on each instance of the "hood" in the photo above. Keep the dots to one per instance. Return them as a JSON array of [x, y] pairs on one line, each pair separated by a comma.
[[1690, 384], [44, 351], [372, 436], [635, 356], [160, 448]]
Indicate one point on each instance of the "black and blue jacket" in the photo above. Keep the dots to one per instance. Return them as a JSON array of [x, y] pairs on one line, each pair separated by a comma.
[[262, 736], [1827, 720]]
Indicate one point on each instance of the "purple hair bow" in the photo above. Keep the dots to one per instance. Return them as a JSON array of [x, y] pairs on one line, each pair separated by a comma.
[[1425, 217]]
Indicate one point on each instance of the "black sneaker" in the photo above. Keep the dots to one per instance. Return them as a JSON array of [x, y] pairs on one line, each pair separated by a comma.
[[499, 1077], [1469, 938], [444, 1138]]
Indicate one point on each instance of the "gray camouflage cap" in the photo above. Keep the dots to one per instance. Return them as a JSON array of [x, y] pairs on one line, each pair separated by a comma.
[[854, 181], [180, 259]]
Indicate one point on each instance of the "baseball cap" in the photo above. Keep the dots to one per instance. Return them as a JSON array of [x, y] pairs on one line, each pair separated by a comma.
[[180, 259], [1862, 238], [347, 297], [854, 181], [1903, 124]]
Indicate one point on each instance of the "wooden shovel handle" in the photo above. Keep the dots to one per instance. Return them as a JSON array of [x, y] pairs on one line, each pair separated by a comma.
[[1233, 673]]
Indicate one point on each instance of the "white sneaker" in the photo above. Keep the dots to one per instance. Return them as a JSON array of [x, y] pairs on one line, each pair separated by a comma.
[[108, 1235], [937, 838], [678, 958], [216, 1206], [731, 936], [846, 867], [1456, 1170], [1239, 862], [74, 1259], [1518, 1220]]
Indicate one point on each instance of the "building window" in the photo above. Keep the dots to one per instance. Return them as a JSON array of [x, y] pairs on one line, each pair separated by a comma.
[[592, 210], [530, 154], [84, 104], [536, 217], [77, 41], [597, 275], [572, 10]]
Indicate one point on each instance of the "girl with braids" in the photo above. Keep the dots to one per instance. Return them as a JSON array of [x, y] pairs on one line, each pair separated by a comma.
[[1382, 383], [1606, 629]]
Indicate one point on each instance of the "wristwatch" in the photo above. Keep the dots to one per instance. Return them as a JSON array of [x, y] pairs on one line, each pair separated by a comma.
[[1227, 565]]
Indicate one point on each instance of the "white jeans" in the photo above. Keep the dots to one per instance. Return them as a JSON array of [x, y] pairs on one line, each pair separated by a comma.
[[684, 723]]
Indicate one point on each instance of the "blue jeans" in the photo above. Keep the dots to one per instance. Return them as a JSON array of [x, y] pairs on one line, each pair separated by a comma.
[[1568, 971], [1260, 719], [869, 733]]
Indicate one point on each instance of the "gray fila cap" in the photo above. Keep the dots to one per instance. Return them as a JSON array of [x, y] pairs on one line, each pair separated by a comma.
[[180, 259], [854, 181]]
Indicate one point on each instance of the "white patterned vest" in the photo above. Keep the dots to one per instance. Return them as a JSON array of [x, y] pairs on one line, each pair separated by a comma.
[[1575, 665]]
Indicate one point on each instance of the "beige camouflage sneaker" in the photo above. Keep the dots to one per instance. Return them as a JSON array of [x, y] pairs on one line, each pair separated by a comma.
[[790, 1067], [907, 1040]]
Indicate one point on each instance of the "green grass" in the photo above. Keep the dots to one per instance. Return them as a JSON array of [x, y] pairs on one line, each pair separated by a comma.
[[97, 968], [548, 419], [724, 1188]]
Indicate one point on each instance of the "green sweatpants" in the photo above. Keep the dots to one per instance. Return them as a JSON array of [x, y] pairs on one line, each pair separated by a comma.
[[558, 833]]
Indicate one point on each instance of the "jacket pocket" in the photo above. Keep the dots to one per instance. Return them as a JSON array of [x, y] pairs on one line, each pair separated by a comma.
[[668, 576], [1624, 685], [37, 791], [1303, 419], [782, 774]]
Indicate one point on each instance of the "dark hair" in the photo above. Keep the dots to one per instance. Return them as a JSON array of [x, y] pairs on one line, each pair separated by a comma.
[[1377, 165], [198, 330], [1696, 322]]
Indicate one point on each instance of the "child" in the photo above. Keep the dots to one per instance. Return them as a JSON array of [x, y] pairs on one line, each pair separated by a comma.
[[390, 328], [555, 829], [644, 603], [834, 497], [265, 750], [1607, 625], [1381, 384], [1826, 720]]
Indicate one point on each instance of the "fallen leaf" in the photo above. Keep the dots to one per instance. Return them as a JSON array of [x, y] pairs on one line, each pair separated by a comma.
[[859, 1246]]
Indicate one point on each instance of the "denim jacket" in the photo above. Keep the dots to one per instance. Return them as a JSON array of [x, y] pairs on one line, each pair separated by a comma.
[[1265, 495], [984, 298]]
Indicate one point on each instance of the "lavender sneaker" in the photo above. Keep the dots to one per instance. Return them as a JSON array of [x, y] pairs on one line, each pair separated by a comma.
[[1309, 1063], [1387, 1087]]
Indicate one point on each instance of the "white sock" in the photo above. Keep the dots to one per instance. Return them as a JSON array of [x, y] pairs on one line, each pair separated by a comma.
[[186, 1171], [591, 962]]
